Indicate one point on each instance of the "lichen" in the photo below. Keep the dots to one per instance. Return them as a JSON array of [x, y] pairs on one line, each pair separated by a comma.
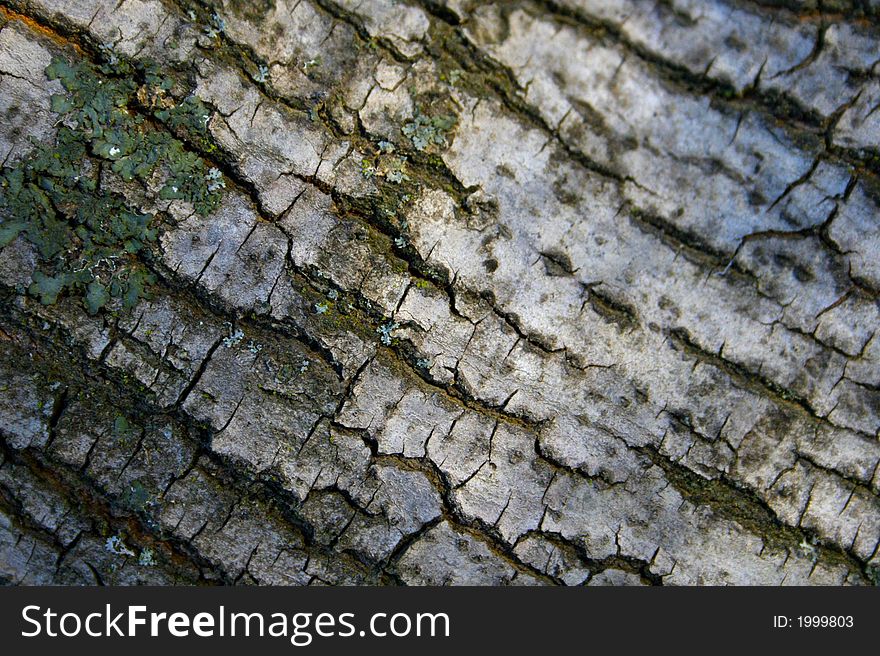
[[116, 546], [233, 338], [367, 169], [396, 176], [385, 331], [146, 559], [88, 240], [425, 131], [216, 27], [310, 67]]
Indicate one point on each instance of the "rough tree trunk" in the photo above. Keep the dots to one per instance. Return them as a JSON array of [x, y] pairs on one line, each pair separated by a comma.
[[539, 292]]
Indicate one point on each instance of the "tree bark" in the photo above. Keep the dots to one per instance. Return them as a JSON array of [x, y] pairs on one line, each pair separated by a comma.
[[441, 292]]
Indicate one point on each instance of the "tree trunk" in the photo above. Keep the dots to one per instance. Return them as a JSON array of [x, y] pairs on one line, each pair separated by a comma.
[[440, 292]]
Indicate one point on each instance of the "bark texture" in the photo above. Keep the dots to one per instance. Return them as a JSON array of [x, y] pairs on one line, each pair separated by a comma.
[[534, 292]]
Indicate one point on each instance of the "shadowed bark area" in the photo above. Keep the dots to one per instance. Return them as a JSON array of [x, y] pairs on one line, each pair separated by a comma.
[[444, 292]]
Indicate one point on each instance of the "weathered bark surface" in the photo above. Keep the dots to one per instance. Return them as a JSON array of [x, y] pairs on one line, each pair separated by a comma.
[[539, 292]]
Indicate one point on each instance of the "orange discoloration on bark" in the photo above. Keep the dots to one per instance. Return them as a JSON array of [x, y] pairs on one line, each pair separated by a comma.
[[34, 26]]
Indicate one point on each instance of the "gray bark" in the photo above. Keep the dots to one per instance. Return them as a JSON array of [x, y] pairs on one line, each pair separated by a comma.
[[539, 292]]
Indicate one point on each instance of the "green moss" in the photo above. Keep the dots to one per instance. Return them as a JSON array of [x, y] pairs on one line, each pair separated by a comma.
[[122, 429], [87, 239]]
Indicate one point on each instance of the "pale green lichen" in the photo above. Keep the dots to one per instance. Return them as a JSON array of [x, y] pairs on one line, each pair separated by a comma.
[[117, 547], [424, 131], [234, 337], [146, 559], [88, 240], [385, 331]]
